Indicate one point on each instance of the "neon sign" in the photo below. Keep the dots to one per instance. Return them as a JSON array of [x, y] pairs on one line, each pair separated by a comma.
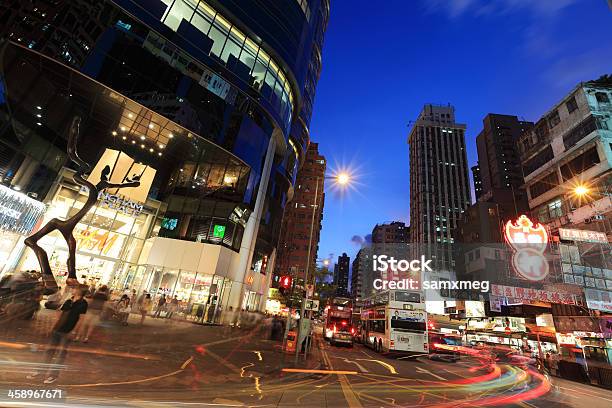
[[529, 242]]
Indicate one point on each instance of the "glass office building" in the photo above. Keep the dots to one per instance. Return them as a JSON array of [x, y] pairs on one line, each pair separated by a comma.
[[212, 98]]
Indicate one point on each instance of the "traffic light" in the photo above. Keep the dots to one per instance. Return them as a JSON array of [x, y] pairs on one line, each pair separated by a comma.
[[285, 282]]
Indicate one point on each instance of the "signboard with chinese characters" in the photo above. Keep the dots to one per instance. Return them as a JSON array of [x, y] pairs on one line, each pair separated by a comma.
[[529, 241], [566, 324], [527, 295], [598, 299], [582, 235]]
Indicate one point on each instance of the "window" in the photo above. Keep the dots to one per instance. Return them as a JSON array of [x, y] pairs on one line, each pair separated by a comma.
[[602, 97], [553, 119], [571, 105], [539, 160], [580, 131], [554, 209], [546, 184], [580, 164]]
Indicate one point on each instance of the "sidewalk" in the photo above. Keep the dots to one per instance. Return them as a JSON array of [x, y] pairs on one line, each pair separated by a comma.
[[117, 354]]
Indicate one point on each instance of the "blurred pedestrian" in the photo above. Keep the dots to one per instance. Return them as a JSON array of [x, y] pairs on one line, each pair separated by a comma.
[[72, 309], [123, 309], [145, 307], [92, 319], [161, 306], [172, 307]]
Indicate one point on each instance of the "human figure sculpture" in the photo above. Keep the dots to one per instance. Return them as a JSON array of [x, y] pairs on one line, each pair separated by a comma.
[[66, 227]]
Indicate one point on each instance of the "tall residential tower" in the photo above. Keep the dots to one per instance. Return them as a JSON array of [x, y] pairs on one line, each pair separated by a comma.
[[439, 182]]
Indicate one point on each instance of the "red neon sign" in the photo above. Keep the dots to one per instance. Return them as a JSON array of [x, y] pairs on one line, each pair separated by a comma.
[[529, 242]]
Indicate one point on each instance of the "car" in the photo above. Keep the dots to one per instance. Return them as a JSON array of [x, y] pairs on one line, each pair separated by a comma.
[[443, 347], [343, 337]]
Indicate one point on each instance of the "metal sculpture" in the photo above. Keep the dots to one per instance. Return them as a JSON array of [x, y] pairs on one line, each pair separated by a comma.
[[66, 227]]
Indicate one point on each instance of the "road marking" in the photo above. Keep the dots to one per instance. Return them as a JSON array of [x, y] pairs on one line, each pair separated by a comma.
[[382, 363], [359, 366], [424, 371], [186, 363], [413, 356], [349, 394], [159, 377], [585, 393], [301, 370]]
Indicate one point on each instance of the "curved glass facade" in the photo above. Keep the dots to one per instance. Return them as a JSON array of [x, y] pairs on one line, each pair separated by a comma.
[[227, 43], [200, 184], [214, 95]]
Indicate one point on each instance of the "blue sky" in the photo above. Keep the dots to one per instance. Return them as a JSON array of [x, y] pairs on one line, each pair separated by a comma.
[[383, 60]]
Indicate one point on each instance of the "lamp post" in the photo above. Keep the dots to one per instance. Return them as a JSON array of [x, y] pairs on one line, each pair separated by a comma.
[[342, 179]]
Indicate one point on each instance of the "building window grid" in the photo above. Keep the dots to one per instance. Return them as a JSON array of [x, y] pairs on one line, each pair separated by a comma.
[[273, 76]]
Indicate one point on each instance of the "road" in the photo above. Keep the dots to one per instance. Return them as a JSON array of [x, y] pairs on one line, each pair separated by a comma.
[[165, 364]]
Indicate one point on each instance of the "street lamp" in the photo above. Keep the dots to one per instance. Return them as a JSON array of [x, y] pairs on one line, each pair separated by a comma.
[[581, 190], [341, 179]]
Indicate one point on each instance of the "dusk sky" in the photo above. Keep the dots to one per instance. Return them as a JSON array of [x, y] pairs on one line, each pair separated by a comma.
[[383, 60]]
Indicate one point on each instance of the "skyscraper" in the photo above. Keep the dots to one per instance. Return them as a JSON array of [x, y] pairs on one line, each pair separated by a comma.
[[499, 163], [341, 275], [214, 97], [292, 255], [439, 183]]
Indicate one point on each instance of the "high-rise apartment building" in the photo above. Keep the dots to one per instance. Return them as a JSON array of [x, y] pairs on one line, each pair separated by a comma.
[[499, 163], [391, 233], [213, 97], [439, 182], [567, 161], [292, 256], [341, 275]]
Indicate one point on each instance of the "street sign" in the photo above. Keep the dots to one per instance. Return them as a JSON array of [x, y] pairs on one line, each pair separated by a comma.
[[312, 304]]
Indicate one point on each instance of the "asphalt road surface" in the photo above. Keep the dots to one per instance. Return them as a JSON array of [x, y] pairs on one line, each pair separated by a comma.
[[166, 364]]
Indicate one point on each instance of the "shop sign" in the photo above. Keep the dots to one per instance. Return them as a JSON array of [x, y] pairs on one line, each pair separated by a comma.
[[219, 231], [605, 323], [474, 308], [496, 302], [119, 203], [568, 324], [18, 212], [124, 168], [545, 320], [169, 223], [95, 240], [598, 299], [528, 295], [582, 235], [529, 242], [566, 338]]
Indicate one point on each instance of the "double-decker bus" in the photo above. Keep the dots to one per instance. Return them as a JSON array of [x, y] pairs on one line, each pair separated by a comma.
[[395, 321], [338, 321]]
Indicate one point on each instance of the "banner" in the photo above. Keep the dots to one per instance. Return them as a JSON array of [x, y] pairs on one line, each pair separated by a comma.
[[526, 295]]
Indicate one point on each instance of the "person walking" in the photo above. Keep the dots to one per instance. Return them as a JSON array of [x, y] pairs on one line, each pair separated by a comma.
[[92, 319], [161, 305], [172, 307], [72, 309], [145, 307]]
